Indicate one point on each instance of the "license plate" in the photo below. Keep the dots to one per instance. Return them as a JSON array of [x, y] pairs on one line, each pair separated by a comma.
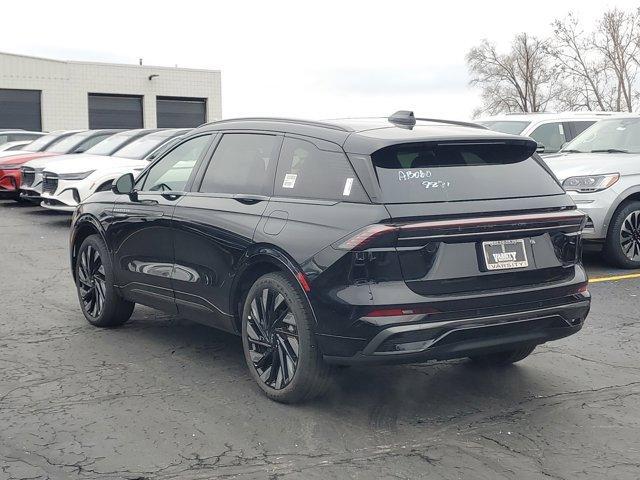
[[505, 254]]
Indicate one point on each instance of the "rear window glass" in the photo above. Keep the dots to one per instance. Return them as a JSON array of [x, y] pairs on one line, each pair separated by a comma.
[[440, 172], [305, 171]]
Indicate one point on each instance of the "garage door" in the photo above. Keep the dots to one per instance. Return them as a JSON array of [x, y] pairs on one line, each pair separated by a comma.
[[176, 112], [20, 109], [115, 111]]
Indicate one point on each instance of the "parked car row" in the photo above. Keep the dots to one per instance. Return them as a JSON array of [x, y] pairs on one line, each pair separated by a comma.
[[61, 169]]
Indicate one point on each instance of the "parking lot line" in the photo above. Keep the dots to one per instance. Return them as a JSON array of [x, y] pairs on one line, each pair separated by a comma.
[[614, 278]]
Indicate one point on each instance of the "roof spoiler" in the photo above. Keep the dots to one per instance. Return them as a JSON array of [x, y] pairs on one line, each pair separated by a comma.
[[406, 118]]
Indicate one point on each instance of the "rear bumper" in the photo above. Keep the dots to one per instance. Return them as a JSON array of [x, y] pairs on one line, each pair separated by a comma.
[[462, 337]]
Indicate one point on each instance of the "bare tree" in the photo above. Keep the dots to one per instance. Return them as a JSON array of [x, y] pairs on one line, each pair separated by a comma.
[[523, 80], [598, 69], [616, 39], [584, 73]]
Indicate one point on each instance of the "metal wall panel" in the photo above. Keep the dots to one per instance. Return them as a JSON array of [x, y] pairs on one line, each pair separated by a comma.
[[115, 111], [20, 109], [176, 112]]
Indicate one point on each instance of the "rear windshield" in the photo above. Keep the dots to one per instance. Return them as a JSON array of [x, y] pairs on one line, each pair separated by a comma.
[[442, 172], [506, 126]]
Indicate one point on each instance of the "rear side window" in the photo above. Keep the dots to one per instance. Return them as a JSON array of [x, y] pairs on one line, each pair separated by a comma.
[[551, 136], [440, 172], [305, 171], [241, 163]]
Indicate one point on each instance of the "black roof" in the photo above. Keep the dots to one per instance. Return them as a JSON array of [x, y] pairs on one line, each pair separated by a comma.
[[366, 135]]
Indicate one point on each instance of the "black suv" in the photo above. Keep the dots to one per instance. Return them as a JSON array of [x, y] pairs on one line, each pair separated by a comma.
[[361, 241]]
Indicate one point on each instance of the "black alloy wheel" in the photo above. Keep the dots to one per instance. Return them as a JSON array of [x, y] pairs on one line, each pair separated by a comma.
[[622, 245], [92, 281], [272, 334], [630, 236], [101, 304], [279, 340]]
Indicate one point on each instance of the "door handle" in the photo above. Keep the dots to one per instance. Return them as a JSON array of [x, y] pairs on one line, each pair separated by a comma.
[[249, 199], [172, 195]]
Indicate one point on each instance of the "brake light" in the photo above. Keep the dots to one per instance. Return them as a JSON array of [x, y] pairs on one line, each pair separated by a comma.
[[368, 237]]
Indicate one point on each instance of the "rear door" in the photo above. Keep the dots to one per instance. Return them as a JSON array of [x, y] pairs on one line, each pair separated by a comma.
[[214, 223], [317, 199]]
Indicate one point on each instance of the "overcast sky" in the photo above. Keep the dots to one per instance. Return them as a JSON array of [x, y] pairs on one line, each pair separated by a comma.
[[317, 59]]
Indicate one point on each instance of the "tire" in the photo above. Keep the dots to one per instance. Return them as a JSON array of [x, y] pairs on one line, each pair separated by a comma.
[[622, 245], [99, 301], [501, 359], [284, 337]]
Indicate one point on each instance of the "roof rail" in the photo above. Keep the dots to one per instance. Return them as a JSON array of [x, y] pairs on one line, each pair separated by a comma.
[[406, 118], [454, 122], [311, 123]]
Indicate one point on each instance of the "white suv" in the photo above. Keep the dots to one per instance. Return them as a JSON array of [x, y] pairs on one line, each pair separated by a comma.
[[601, 171], [550, 130]]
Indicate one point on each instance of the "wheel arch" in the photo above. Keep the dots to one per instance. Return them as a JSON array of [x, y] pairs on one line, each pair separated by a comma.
[[629, 195], [258, 261], [84, 226]]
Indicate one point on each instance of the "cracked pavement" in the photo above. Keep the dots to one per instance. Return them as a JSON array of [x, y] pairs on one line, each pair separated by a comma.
[[164, 398]]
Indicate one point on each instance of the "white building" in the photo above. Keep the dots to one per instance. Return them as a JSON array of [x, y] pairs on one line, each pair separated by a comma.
[[44, 94]]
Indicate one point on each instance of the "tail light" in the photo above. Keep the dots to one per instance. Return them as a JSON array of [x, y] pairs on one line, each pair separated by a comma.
[[378, 235]]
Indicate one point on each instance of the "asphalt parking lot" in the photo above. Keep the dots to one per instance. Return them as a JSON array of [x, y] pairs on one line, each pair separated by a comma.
[[166, 398]]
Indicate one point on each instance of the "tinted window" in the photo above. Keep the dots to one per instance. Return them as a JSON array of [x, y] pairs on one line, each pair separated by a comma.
[[440, 172], [305, 171], [172, 172], [240, 164], [551, 135]]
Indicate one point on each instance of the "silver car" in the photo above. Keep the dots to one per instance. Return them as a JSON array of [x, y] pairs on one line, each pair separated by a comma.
[[600, 169]]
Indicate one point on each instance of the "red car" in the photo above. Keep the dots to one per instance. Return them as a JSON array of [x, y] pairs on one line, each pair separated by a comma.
[[58, 143]]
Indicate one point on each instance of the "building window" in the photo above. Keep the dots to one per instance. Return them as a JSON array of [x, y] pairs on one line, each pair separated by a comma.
[[115, 111], [180, 112], [20, 109]]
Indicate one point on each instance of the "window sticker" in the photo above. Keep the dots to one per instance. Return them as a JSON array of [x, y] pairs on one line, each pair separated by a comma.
[[289, 180], [347, 187], [561, 128]]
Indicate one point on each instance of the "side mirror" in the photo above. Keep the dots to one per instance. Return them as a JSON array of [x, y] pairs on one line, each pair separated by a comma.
[[540, 148], [124, 185]]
